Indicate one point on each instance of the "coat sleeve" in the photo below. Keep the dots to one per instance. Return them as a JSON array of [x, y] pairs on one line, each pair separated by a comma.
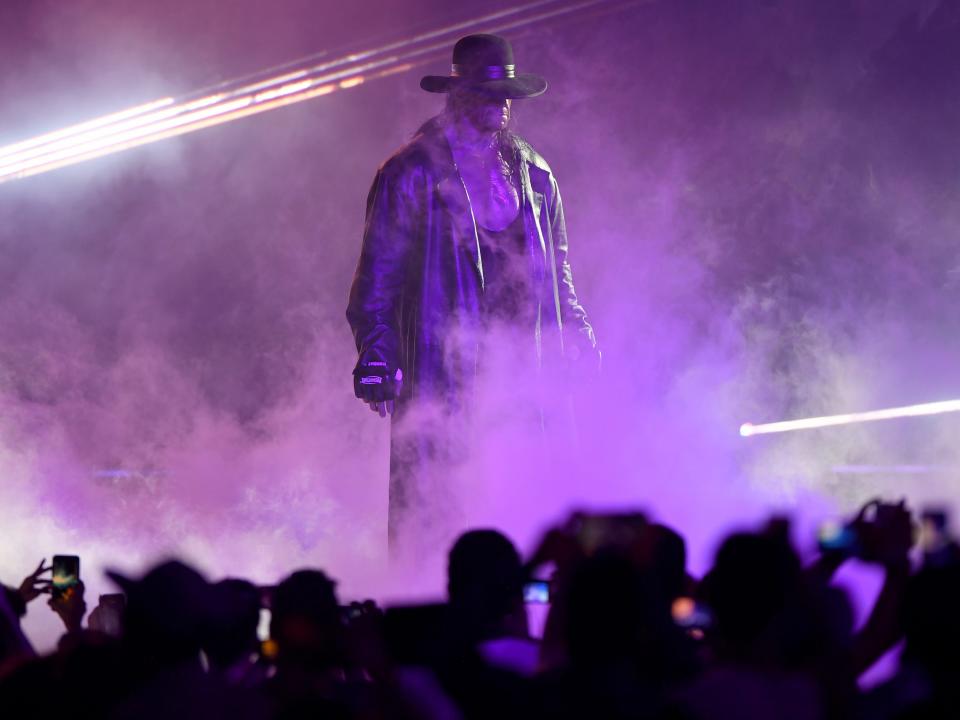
[[578, 333], [374, 306]]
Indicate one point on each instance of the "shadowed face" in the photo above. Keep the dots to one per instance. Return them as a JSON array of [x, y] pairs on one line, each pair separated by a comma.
[[484, 113]]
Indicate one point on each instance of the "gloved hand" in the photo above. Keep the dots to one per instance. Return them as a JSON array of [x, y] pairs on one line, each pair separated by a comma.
[[378, 384]]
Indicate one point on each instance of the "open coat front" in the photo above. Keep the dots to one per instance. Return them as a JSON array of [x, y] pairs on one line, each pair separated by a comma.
[[417, 296]]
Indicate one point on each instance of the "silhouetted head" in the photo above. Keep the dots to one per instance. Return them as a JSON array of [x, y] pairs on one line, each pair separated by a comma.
[[305, 621], [931, 619], [484, 580], [166, 612], [617, 614], [12, 640], [754, 578], [669, 561], [231, 634]]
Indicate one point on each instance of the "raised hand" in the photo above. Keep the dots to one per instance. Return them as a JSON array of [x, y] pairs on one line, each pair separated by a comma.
[[33, 585], [70, 606]]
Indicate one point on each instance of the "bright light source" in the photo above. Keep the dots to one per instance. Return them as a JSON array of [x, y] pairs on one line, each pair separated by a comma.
[[254, 94], [20, 147], [933, 408], [889, 469]]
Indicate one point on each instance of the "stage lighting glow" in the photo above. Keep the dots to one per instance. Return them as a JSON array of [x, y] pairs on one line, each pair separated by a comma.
[[90, 147], [16, 162], [933, 408], [167, 117], [19, 147], [288, 89], [889, 469], [250, 109]]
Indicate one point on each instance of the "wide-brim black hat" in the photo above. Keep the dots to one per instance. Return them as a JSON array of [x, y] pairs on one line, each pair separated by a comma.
[[485, 63]]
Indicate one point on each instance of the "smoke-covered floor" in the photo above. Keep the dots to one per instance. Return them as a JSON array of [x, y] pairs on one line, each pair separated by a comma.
[[763, 202]]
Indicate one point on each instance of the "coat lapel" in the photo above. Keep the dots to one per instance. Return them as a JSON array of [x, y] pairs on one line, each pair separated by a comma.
[[532, 206], [453, 195]]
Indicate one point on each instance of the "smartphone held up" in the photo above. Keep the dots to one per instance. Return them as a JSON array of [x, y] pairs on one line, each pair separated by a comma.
[[66, 574]]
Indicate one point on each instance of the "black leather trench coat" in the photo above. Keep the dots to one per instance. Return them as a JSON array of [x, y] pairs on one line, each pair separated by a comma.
[[416, 299]]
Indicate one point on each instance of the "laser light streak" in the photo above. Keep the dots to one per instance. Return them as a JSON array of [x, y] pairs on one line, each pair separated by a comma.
[[269, 89], [932, 408]]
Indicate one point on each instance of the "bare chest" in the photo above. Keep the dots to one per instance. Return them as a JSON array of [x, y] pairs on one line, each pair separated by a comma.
[[492, 189]]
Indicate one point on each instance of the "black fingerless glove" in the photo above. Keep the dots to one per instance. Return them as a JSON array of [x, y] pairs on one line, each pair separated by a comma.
[[376, 381]]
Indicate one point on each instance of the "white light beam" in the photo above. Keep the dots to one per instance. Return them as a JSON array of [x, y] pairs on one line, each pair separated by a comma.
[[153, 121], [932, 408]]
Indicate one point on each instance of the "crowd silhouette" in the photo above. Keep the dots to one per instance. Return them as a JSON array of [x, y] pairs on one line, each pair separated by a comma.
[[629, 633]]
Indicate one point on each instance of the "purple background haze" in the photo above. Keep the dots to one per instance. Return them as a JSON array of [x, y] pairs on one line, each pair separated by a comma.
[[763, 201]]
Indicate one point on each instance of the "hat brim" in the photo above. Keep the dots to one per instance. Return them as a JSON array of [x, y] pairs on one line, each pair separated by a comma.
[[525, 85]]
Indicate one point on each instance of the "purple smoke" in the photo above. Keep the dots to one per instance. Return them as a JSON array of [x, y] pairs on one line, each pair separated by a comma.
[[762, 205]]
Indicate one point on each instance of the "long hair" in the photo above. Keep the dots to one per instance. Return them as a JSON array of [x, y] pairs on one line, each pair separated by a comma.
[[506, 138]]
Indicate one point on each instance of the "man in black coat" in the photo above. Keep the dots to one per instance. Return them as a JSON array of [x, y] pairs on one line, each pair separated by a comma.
[[464, 236]]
